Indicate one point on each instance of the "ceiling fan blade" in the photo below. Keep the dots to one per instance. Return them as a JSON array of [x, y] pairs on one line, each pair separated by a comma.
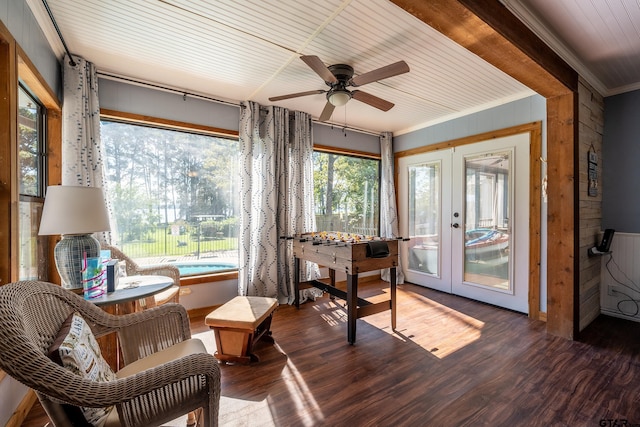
[[391, 70], [318, 66], [372, 100], [295, 95], [326, 112]]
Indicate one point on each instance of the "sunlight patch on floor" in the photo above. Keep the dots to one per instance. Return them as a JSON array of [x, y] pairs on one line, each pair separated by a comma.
[[248, 413], [451, 330], [208, 338], [300, 395], [245, 413]]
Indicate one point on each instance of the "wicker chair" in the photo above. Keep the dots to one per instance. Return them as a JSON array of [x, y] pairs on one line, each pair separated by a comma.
[[168, 374], [170, 295]]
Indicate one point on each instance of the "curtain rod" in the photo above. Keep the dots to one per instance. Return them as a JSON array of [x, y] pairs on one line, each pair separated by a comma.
[[55, 25], [351, 128], [165, 88], [220, 101]]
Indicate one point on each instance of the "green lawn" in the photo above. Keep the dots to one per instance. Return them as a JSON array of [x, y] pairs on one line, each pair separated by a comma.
[[162, 243]]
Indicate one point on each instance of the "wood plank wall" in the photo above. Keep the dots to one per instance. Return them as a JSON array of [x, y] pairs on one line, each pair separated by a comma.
[[591, 123]]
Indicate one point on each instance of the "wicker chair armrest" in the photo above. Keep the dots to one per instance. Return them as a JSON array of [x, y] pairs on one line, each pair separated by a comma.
[[164, 270], [74, 390], [149, 331], [203, 366]]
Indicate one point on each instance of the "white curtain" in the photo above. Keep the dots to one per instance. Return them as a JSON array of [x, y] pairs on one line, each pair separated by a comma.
[[82, 153], [276, 198], [388, 209]]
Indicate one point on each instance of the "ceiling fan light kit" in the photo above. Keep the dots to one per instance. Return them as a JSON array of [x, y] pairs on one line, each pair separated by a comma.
[[339, 76], [338, 98]]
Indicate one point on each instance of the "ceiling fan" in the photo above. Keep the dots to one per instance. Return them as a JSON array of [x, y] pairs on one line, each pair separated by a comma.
[[340, 76]]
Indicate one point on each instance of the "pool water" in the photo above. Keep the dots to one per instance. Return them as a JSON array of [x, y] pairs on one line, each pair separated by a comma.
[[192, 269]]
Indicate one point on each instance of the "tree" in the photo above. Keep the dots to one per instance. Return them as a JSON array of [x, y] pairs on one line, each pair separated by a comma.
[[346, 188]]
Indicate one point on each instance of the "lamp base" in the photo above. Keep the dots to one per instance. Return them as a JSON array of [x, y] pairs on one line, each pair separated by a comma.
[[69, 253]]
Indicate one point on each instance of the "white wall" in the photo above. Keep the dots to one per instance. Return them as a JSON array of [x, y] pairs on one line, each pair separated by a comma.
[[208, 294]]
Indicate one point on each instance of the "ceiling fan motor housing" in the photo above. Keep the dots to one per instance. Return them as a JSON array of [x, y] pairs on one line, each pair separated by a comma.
[[338, 95], [343, 73]]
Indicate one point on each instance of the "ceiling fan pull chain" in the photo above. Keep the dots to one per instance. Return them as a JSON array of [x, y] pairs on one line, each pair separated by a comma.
[[345, 122]]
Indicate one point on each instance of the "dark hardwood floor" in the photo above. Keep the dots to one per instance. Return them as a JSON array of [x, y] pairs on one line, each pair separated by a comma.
[[451, 362]]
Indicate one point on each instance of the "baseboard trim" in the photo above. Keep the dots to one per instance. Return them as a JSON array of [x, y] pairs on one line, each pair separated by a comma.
[[202, 311]]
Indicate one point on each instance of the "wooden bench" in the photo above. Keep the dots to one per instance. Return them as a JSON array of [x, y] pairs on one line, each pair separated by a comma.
[[239, 324]]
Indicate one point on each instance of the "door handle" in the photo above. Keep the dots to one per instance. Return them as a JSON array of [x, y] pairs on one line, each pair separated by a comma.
[[455, 225]]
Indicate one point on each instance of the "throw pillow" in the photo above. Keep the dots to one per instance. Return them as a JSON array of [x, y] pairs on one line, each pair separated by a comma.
[[76, 349]]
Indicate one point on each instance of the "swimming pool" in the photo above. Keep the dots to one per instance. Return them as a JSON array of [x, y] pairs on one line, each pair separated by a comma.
[[194, 268]]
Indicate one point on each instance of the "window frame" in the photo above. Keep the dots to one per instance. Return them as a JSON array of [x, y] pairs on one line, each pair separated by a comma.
[[16, 66], [142, 120], [355, 153], [42, 146]]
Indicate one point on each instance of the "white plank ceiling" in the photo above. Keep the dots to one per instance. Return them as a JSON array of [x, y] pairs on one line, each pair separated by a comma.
[[250, 49], [599, 38]]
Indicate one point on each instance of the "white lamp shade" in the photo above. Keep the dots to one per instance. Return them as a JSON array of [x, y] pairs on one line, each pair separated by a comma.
[[74, 210], [339, 98]]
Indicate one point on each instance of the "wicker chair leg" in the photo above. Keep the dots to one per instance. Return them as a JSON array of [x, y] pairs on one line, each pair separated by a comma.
[[207, 417]]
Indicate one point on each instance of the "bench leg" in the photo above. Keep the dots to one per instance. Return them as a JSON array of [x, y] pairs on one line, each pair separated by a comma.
[[236, 345]]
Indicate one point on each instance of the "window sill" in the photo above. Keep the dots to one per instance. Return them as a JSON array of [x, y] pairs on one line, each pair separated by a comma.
[[208, 278]]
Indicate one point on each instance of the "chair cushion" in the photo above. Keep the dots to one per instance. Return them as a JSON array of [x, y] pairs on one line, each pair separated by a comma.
[[76, 349], [181, 349], [176, 351]]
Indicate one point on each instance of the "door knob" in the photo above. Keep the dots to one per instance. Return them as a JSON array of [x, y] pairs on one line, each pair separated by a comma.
[[455, 225]]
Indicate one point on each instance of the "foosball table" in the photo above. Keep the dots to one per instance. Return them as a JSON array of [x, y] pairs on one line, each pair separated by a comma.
[[351, 254]]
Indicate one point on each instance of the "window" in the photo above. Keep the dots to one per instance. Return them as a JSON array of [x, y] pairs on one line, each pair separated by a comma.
[[174, 195], [346, 193], [31, 185], [31, 144]]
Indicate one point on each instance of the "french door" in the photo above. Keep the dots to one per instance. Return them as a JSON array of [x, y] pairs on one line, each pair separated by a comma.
[[466, 212]]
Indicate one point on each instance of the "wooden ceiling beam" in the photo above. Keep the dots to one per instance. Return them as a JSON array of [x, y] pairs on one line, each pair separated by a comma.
[[489, 30]]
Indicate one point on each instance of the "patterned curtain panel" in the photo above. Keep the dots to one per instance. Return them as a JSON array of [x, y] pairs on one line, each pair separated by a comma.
[[388, 209], [271, 206], [82, 160], [300, 211]]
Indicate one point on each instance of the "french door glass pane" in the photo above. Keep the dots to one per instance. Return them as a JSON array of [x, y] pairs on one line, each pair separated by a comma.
[[424, 217], [487, 236]]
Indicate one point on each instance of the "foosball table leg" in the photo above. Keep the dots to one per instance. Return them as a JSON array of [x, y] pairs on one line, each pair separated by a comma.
[[393, 280], [352, 307], [296, 281], [332, 282]]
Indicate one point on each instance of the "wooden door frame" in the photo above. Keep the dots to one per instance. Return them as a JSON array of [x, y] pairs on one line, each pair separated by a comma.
[[488, 29], [534, 130]]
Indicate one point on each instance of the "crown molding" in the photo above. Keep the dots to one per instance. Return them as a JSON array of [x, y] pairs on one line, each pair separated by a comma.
[[49, 31], [531, 20]]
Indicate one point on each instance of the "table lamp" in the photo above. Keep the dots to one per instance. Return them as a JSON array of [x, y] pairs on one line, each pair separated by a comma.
[[75, 213]]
